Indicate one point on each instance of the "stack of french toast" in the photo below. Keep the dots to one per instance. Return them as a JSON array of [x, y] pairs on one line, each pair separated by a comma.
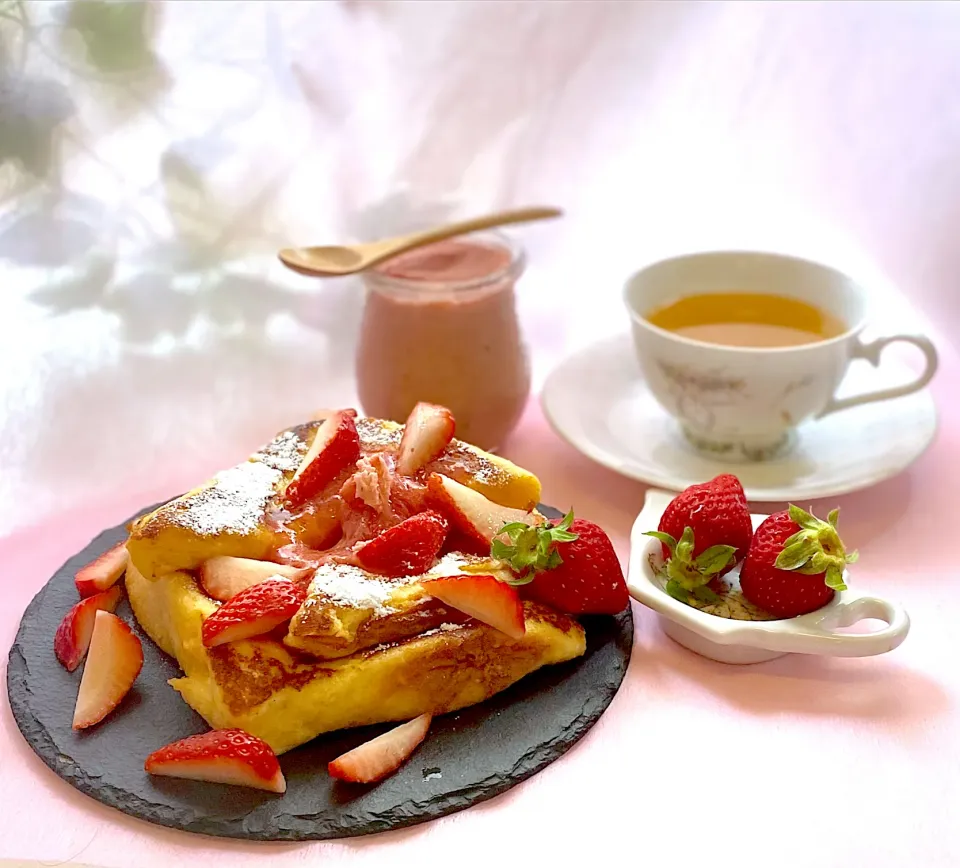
[[352, 571]]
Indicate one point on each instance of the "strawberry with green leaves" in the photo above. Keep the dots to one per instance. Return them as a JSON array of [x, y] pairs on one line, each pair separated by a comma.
[[795, 564], [705, 532], [570, 565]]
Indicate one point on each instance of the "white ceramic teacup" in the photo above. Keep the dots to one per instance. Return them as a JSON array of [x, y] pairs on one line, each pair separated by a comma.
[[745, 402]]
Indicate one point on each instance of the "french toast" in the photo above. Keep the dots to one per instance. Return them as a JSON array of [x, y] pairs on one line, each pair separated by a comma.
[[368, 644], [287, 699], [229, 515], [376, 611]]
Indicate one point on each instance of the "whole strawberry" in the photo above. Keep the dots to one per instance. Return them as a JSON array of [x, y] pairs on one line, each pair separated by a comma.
[[795, 563], [705, 531], [571, 566]]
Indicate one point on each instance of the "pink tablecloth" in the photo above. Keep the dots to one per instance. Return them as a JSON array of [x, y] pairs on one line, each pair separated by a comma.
[[154, 156], [795, 762]]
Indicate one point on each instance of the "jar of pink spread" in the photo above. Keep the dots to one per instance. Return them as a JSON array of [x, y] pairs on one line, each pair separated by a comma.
[[440, 325]]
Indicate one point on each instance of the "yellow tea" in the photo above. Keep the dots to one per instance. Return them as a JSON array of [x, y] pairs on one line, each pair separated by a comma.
[[747, 319]]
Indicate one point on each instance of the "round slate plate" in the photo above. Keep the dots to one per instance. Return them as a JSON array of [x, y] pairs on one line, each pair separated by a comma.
[[468, 757]]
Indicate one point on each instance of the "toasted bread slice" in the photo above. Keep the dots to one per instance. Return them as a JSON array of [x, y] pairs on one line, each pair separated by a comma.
[[229, 514], [348, 609], [286, 699]]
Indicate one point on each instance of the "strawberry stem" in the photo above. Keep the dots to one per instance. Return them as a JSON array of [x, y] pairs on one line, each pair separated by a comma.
[[687, 571], [816, 548], [531, 549]]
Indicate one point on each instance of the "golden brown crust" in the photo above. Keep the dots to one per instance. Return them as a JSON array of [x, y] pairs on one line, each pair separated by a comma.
[[262, 687], [287, 698], [328, 632]]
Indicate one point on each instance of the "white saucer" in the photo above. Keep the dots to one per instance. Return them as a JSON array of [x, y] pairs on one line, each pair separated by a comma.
[[597, 401]]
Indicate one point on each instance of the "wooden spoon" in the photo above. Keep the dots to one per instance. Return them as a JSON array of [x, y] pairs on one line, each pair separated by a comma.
[[336, 260]]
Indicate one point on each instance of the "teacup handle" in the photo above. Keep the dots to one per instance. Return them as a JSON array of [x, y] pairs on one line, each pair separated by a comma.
[[871, 352]]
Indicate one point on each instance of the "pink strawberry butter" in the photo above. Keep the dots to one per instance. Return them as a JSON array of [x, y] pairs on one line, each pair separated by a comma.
[[440, 325]]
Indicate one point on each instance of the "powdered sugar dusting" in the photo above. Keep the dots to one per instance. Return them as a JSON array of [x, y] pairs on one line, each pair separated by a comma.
[[451, 564], [374, 435], [284, 452], [234, 503], [488, 473], [345, 585], [237, 499]]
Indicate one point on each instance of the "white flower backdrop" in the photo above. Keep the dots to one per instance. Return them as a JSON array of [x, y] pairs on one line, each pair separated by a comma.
[[153, 157]]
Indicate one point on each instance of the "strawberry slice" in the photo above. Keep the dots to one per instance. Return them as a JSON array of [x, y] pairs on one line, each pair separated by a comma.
[[222, 756], [335, 446], [114, 661], [224, 577], [253, 612], [72, 638], [104, 572], [482, 597], [406, 549], [428, 430], [382, 756], [479, 518]]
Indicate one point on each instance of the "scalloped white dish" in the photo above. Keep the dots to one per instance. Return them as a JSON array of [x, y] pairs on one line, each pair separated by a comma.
[[742, 641]]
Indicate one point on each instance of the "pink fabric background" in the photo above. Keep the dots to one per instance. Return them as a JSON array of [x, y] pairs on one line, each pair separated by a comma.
[[150, 339]]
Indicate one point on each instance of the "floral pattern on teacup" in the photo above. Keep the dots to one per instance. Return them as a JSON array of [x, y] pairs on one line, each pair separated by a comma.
[[697, 394], [705, 399]]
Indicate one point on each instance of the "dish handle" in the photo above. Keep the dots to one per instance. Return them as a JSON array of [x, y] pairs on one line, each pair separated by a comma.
[[820, 632]]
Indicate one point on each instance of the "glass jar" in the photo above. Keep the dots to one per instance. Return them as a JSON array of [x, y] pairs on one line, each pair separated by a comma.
[[440, 324]]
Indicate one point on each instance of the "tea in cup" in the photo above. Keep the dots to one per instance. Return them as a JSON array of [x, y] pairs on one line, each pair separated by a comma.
[[743, 347]]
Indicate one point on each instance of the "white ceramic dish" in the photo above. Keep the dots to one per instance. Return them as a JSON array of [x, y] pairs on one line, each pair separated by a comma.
[[598, 402], [731, 641]]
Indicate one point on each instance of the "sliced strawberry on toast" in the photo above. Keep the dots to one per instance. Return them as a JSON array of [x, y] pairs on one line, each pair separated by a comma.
[[103, 572], [72, 638], [382, 756], [335, 447], [253, 612], [222, 756], [113, 663], [478, 518], [406, 549], [224, 577], [428, 430], [482, 597]]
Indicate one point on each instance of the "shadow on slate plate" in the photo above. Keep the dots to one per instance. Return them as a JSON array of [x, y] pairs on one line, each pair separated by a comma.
[[468, 757]]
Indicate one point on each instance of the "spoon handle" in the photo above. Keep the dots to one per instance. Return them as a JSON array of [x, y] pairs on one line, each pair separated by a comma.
[[521, 215]]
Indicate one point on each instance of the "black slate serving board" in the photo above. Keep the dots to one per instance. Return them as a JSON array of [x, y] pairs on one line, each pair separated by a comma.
[[468, 757]]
